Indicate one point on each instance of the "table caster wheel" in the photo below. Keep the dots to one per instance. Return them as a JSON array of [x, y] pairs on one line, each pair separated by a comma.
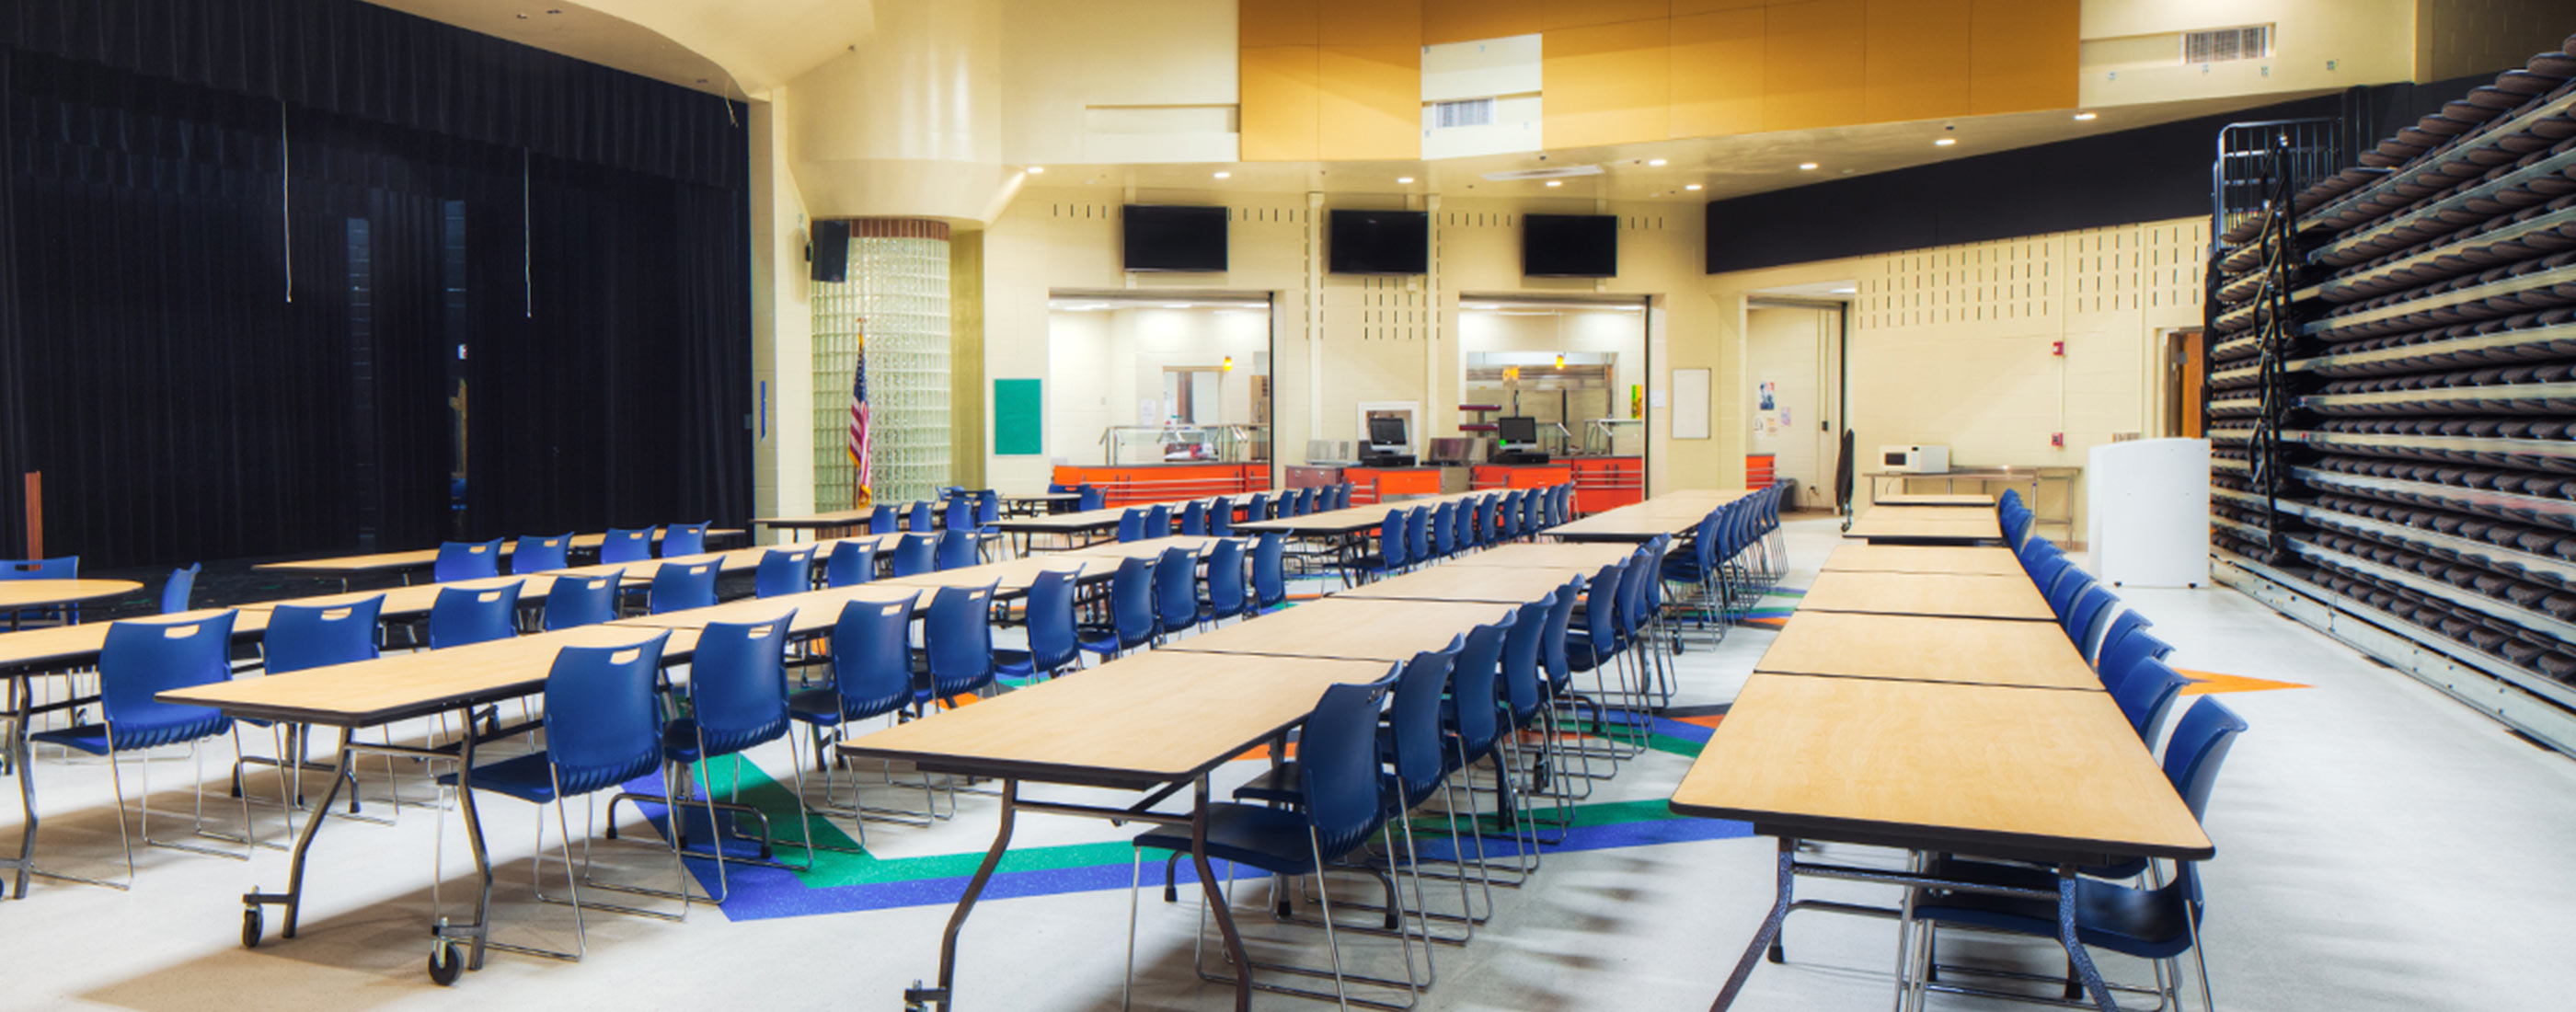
[[444, 966], [251, 926]]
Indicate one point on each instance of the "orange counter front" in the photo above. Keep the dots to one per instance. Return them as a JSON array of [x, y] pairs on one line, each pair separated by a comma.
[[1124, 484], [1377, 484], [1602, 483]]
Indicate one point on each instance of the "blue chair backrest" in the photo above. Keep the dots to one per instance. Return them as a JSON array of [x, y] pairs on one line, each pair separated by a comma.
[[1194, 519], [1521, 647], [988, 507], [1092, 499], [921, 519], [958, 637], [1650, 583], [682, 586], [1048, 612], [1269, 571], [1220, 515], [182, 584], [1532, 505], [1131, 602], [1342, 496], [961, 514], [1479, 521], [1551, 646], [872, 657], [956, 548], [1225, 591], [882, 520], [467, 560], [1413, 719], [304, 636], [1176, 591], [2086, 613], [851, 563], [625, 544], [2047, 568], [2011, 499], [684, 539], [1257, 507], [2061, 594], [1391, 539], [1444, 529], [582, 600], [535, 554], [1476, 684], [1337, 768], [140, 660], [603, 722], [1131, 526], [1158, 521], [1417, 533], [66, 567], [1601, 615], [738, 684], [2198, 747], [914, 555], [2146, 695], [784, 571], [2120, 660], [463, 615], [1507, 516]]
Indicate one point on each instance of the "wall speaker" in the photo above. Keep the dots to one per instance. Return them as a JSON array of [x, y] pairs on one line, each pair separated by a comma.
[[829, 250]]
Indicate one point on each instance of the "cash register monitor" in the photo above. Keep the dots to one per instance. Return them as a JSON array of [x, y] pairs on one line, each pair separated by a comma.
[[1387, 433], [1517, 430]]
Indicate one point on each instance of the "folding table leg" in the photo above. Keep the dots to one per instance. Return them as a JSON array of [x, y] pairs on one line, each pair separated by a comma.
[[1770, 926], [293, 898], [944, 996], [2075, 952], [20, 712], [1216, 899]]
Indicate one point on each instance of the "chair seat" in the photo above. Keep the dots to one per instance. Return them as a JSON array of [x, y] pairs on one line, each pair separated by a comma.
[[1273, 840], [2147, 923], [680, 740], [93, 738], [1280, 786], [1097, 639], [528, 778], [820, 707], [1580, 656]]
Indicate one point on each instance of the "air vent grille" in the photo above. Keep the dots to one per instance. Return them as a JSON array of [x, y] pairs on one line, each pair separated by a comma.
[[2219, 45], [1465, 112]]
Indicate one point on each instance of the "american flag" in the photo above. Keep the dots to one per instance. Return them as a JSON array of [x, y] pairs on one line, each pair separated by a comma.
[[860, 454]]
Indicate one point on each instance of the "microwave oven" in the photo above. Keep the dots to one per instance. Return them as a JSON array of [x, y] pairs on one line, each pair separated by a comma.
[[1914, 459]]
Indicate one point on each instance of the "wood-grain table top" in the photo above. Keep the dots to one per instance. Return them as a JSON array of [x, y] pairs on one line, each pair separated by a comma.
[[815, 611], [1100, 519], [56, 648], [1937, 499], [1148, 548], [829, 518], [1923, 511], [1639, 526], [1148, 719], [416, 599], [731, 560], [1568, 555], [1353, 519], [1011, 576], [1972, 768], [1971, 651], [596, 540], [1955, 595], [1495, 584], [380, 562], [404, 685], [1978, 560], [38, 593], [1361, 630], [1980, 527]]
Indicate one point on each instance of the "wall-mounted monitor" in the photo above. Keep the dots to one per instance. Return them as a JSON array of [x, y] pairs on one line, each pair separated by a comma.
[[1163, 237], [1380, 242], [1570, 245]]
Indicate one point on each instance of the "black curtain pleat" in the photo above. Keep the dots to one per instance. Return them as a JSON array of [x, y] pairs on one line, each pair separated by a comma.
[[168, 160]]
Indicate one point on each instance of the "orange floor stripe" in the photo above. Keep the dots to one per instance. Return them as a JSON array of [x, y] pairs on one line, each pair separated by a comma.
[[1707, 721], [2208, 682]]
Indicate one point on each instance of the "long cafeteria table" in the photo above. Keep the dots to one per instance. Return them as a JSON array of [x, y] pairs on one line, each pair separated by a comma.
[[1348, 629], [1974, 560], [1954, 526], [1669, 513], [1589, 557], [1010, 577], [347, 567], [41, 594], [1927, 648], [1348, 529], [851, 519], [1950, 594], [1495, 584], [1089, 524]]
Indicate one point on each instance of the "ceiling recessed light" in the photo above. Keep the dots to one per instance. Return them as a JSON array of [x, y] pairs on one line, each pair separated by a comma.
[[1654, 161], [1556, 182], [1843, 291], [2084, 117], [1037, 170], [1690, 186], [1176, 305], [1945, 142], [1404, 179], [1225, 175], [1806, 166]]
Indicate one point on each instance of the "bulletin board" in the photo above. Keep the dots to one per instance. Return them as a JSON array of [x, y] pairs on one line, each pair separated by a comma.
[[1690, 403], [1019, 417]]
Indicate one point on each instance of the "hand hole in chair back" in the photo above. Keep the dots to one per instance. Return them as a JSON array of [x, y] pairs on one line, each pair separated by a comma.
[[478, 549], [179, 632], [336, 614], [488, 596], [757, 631], [891, 610], [626, 656]]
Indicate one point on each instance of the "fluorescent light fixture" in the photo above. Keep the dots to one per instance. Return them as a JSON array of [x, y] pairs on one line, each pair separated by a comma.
[[1843, 291], [1690, 186], [1037, 170], [2084, 117], [1404, 180], [1176, 305], [1655, 161], [1225, 175], [1945, 142], [1806, 166], [1556, 182]]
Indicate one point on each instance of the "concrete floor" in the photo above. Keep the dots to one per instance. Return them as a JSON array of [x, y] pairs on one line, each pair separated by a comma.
[[2380, 847]]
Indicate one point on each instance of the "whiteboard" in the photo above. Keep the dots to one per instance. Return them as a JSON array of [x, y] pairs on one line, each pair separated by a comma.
[[1690, 403]]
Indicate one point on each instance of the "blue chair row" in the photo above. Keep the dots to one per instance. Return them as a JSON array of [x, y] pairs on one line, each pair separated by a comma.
[[65, 567]]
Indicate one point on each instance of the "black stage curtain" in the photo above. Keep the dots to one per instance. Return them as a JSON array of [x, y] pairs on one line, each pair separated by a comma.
[[244, 242]]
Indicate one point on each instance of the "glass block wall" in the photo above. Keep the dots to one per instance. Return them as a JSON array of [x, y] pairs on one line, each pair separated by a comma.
[[892, 308]]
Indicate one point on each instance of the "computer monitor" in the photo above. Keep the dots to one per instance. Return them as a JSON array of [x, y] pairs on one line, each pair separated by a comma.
[[1517, 429], [1385, 431]]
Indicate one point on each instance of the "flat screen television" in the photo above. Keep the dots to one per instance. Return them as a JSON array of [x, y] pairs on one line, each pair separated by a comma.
[[1164, 237], [1570, 245], [1380, 242], [1516, 429]]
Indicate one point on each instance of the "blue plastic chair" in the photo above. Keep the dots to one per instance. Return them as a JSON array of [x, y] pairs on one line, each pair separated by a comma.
[[1194, 519], [466, 560], [2061, 594], [582, 600], [1604, 638], [1392, 556], [626, 545], [871, 677], [136, 663], [852, 563], [1257, 507], [1417, 534], [66, 567], [2146, 694], [882, 520], [685, 539], [181, 585], [1444, 530], [534, 554], [1534, 513], [1176, 592], [1092, 499], [603, 724], [1220, 517], [784, 571], [1158, 521], [1269, 575], [1132, 619], [914, 555], [2127, 641], [1471, 725], [1341, 808], [1525, 706], [737, 702], [1131, 526], [1226, 596], [680, 587], [922, 522], [956, 548], [460, 616], [2081, 618], [304, 636], [957, 643], [960, 515], [1047, 615], [988, 511]]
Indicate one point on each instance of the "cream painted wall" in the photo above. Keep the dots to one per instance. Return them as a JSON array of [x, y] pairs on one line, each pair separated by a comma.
[[2131, 51], [1792, 347], [1953, 345], [909, 122], [782, 326], [1105, 81]]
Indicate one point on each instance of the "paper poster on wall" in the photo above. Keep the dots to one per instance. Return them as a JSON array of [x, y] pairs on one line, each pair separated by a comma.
[[1019, 417], [1690, 403], [1766, 396]]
